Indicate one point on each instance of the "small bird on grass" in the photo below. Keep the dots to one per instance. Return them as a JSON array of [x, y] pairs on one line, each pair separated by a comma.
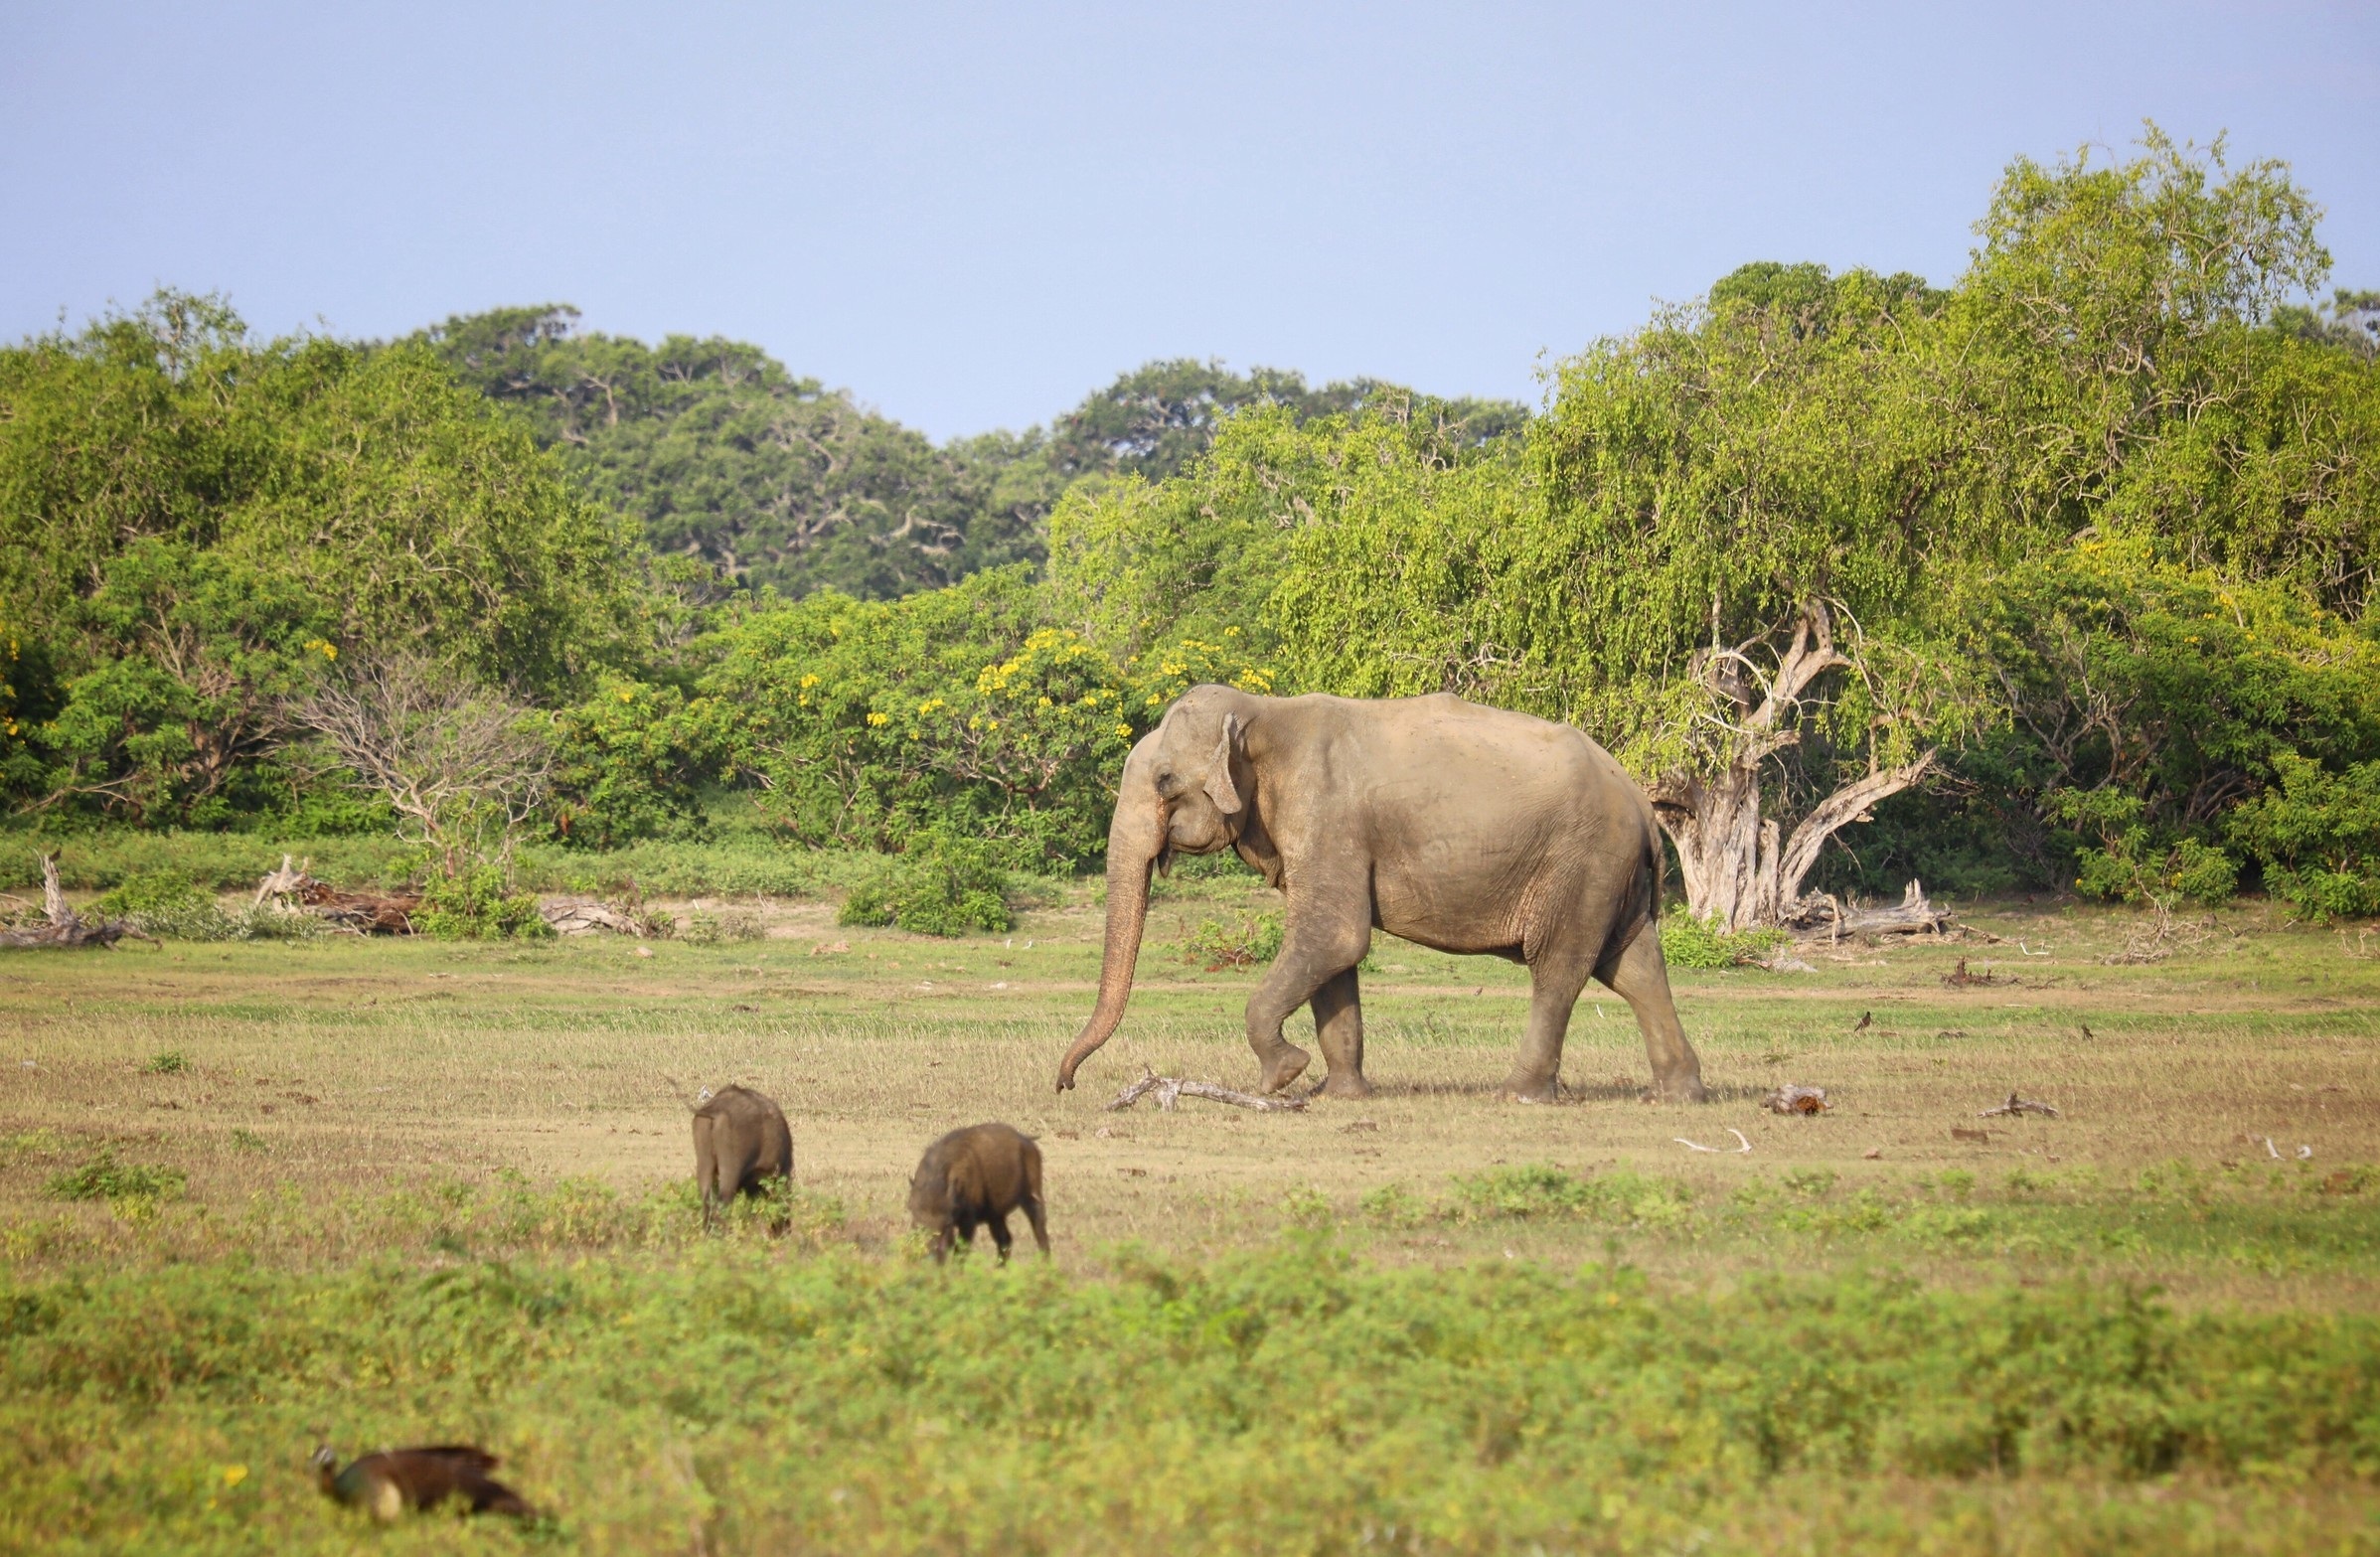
[[1866, 1020], [388, 1482], [2086, 1033]]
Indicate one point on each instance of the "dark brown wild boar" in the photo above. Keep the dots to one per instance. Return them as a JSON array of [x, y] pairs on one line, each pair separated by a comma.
[[742, 1141], [974, 1177]]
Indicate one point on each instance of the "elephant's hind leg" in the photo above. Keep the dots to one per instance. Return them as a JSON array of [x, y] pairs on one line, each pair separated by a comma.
[[1640, 977], [1536, 1075], [1338, 1028]]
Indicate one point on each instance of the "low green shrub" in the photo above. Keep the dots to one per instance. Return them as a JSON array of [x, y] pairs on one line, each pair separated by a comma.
[[1298, 1399], [149, 891], [168, 1062], [944, 885], [475, 905], [1241, 941], [705, 927], [104, 1178], [1688, 942], [2317, 835]]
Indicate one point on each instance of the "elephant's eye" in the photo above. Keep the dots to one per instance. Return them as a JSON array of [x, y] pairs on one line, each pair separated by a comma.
[[1167, 783]]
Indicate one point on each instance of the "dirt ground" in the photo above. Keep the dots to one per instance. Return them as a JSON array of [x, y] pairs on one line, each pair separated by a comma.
[[341, 1065]]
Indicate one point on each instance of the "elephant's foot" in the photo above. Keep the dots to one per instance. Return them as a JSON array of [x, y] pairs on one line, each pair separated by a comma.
[[1687, 1088], [1287, 1064], [1344, 1084], [1520, 1088]]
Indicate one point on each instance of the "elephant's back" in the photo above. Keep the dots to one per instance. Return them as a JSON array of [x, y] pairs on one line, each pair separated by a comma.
[[1457, 744]]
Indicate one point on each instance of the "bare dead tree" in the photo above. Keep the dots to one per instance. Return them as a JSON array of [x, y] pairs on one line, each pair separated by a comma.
[[1741, 870], [463, 766]]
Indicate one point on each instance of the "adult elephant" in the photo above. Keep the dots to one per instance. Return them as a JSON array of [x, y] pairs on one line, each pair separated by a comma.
[[1458, 827]]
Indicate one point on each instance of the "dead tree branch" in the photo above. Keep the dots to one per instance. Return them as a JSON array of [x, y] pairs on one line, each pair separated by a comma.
[[1171, 1089], [2016, 1105]]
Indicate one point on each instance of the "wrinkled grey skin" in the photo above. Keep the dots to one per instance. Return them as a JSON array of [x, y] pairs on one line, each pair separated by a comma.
[[1458, 827]]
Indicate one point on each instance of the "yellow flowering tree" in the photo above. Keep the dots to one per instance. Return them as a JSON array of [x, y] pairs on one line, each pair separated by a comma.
[[960, 711]]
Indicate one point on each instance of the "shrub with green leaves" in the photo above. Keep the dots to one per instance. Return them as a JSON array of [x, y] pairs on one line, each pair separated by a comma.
[[168, 904], [1688, 942], [963, 711], [2317, 835], [706, 927], [944, 885], [475, 905], [103, 1177], [1233, 941]]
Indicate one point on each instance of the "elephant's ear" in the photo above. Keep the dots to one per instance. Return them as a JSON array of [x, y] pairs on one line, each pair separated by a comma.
[[1219, 787]]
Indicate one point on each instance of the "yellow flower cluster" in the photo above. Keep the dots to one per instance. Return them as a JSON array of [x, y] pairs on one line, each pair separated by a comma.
[[323, 647], [879, 720]]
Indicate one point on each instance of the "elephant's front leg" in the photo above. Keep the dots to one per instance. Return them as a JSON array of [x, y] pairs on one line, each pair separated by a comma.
[[1338, 1027], [1320, 945]]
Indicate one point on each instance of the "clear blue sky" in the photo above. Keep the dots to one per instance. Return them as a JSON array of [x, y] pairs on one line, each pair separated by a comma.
[[972, 215]]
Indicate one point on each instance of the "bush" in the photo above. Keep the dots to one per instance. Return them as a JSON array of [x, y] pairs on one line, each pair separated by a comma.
[[959, 709], [944, 885], [703, 928], [170, 1062], [148, 891], [105, 1178], [474, 906], [1688, 942], [167, 904], [2318, 837], [1235, 943]]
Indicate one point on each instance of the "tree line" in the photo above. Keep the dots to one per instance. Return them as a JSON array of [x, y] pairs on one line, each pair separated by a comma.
[[2056, 577]]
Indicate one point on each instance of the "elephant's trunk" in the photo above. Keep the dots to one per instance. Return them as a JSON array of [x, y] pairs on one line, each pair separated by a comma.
[[1134, 840]]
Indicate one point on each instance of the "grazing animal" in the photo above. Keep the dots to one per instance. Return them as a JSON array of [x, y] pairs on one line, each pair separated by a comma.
[[388, 1484], [741, 1141], [1466, 829], [974, 1177]]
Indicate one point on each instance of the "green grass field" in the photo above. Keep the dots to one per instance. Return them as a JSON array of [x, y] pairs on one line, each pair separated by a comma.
[[256, 1195]]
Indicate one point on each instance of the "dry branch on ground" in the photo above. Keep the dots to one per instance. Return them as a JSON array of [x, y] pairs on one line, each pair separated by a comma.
[[1171, 1089], [1822, 914], [2016, 1105], [362, 914], [66, 928]]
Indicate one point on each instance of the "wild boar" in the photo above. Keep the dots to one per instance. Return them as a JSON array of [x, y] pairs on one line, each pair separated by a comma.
[[742, 1141], [388, 1484], [974, 1177]]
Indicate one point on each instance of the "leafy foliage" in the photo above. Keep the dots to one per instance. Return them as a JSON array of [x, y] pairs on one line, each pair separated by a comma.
[[944, 884], [722, 455], [959, 710], [474, 905], [1691, 942], [194, 525], [103, 1177], [2317, 835], [1243, 942]]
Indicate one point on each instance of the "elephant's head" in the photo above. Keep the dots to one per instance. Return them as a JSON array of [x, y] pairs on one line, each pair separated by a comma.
[[1185, 790]]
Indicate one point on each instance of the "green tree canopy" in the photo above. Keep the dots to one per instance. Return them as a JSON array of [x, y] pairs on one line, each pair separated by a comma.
[[193, 524], [722, 455]]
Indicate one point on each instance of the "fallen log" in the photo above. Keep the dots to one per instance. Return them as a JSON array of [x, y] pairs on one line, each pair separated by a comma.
[[359, 913], [66, 928], [1822, 914], [1171, 1089], [1797, 1100], [2016, 1105]]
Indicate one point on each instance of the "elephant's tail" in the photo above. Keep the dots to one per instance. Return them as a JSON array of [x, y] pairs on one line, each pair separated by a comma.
[[1642, 913]]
